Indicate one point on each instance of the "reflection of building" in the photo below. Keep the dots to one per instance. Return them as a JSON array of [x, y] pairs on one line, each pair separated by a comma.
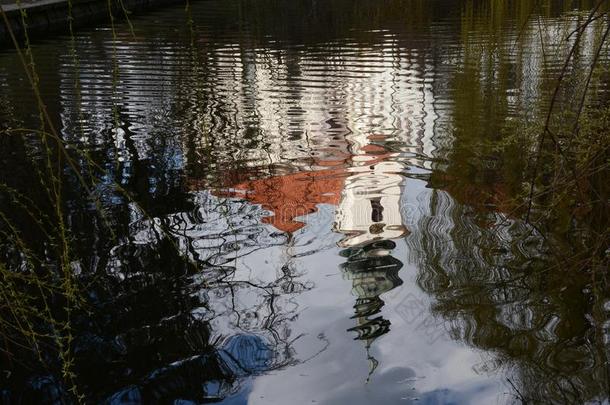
[[368, 196], [367, 193]]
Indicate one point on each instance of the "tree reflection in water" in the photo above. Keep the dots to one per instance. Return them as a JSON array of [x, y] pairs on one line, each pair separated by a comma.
[[502, 292], [167, 312], [247, 315]]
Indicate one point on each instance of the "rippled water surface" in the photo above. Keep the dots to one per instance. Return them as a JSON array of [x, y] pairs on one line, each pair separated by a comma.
[[331, 170]]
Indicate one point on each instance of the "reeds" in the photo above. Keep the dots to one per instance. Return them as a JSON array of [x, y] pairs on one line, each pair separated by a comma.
[[40, 293]]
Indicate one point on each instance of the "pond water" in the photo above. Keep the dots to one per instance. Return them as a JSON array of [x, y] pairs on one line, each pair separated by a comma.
[[331, 172]]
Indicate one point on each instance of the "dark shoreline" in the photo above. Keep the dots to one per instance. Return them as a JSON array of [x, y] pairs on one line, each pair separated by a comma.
[[51, 16]]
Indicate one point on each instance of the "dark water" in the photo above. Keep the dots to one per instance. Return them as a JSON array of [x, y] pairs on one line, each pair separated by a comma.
[[334, 172]]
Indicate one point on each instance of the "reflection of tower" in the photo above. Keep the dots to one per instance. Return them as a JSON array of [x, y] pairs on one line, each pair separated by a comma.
[[369, 215], [373, 271]]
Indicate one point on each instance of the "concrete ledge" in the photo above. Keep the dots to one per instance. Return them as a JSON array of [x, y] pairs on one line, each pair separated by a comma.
[[51, 16]]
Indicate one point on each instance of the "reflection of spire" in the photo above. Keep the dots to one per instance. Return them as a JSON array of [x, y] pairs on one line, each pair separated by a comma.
[[373, 271]]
